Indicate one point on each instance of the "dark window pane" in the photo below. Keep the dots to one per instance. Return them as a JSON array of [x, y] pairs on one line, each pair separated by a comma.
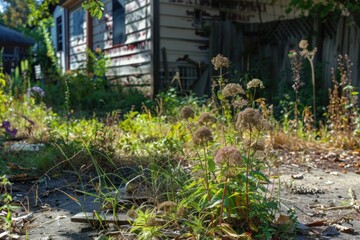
[[59, 45], [78, 21], [119, 34]]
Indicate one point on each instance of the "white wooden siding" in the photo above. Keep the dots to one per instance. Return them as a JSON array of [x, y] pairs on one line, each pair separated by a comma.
[[77, 42], [130, 62], [179, 37], [242, 11], [184, 23]]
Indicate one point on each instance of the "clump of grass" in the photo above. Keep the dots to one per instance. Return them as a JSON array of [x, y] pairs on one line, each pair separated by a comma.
[[286, 141], [7, 226], [223, 189], [342, 111]]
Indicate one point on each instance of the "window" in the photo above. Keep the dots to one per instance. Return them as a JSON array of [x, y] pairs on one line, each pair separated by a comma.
[[119, 34], [59, 35], [78, 21], [198, 18]]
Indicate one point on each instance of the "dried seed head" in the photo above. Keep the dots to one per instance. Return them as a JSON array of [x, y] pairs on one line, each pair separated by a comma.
[[220, 61], [232, 89], [206, 118], [167, 206], [181, 212], [240, 103], [255, 83], [229, 154], [296, 66], [152, 222], [132, 213], [250, 118], [202, 136], [303, 44], [186, 113]]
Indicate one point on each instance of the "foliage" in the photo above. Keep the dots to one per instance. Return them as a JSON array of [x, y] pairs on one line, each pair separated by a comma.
[[16, 14], [342, 112], [88, 90], [2, 86], [204, 165], [50, 53], [96, 66], [95, 7], [170, 102], [224, 195], [146, 226], [325, 8], [6, 221], [39, 11]]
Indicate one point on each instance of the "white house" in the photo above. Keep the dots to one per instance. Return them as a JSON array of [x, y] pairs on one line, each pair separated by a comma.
[[148, 41]]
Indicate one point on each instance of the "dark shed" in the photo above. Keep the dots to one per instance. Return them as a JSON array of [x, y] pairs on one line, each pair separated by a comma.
[[15, 47], [12, 38]]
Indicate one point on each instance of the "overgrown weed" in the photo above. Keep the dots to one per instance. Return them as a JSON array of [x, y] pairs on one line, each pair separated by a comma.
[[212, 164]]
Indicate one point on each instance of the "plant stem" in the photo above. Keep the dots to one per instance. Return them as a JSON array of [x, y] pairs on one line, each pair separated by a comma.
[[206, 175], [222, 200], [313, 83], [253, 98], [247, 177], [222, 110], [296, 107]]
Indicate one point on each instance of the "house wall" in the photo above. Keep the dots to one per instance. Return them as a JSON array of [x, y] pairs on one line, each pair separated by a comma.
[[130, 62], [191, 32], [188, 39], [77, 38]]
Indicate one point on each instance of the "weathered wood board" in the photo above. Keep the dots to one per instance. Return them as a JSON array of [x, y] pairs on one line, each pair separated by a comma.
[[90, 217]]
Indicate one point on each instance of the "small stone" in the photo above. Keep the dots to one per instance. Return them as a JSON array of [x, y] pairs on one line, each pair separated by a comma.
[[302, 228], [297, 176], [330, 231]]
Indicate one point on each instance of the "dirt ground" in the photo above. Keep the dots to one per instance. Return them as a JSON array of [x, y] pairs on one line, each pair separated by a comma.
[[315, 184], [53, 202]]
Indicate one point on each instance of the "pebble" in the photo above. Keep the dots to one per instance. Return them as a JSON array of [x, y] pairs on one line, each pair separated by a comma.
[[306, 190]]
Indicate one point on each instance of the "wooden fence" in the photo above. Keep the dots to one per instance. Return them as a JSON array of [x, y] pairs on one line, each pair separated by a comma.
[[262, 48]]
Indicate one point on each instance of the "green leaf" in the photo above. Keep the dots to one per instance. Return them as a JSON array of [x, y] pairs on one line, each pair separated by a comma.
[[220, 95], [216, 203], [211, 165], [260, 176]]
